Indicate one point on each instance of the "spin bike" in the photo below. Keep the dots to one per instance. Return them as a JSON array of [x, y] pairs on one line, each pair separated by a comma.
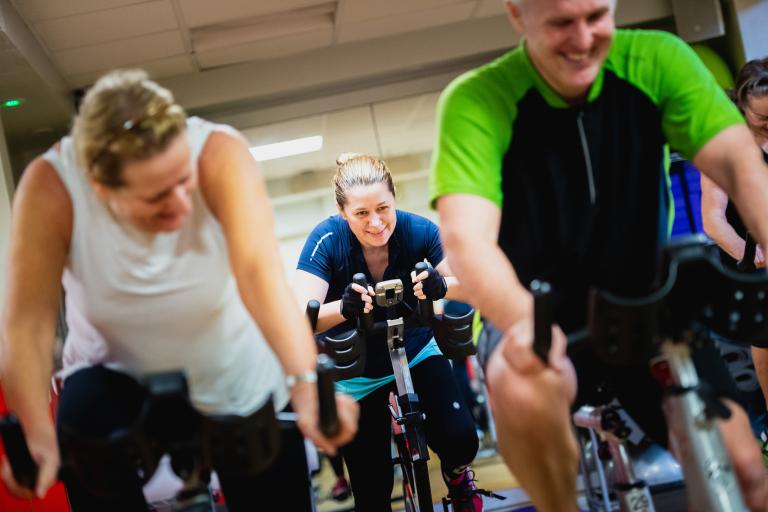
[[454, 337], [697, 295], [169, 424]]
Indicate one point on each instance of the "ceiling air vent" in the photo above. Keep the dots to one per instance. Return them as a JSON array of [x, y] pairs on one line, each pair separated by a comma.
[[238, 32]]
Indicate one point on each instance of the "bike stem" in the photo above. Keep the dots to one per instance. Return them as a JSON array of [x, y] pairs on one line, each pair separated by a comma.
[[396, 345]]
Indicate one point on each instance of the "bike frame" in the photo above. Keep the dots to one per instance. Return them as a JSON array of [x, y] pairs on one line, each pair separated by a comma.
[[696, 437], [672, 319], [414, 453], [632, 493]]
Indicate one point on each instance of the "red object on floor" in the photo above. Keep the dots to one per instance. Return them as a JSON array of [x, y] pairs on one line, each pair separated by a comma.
[[54, 501]]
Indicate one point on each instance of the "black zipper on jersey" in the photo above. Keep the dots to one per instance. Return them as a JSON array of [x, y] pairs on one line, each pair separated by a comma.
[[587, 158]]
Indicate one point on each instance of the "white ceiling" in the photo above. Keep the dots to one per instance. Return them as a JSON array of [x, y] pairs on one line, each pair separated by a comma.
[[86, 37], [345, 69], [389, 129]]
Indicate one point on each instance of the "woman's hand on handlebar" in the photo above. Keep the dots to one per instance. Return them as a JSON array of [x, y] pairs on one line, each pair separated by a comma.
[[305, 403], [355, 300], [45, 452], [429, 284]]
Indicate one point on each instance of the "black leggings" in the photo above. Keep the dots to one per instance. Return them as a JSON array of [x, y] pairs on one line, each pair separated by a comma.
[[450, 433], [98, 401]]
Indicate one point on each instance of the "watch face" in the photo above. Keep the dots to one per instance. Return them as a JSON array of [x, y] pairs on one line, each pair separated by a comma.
[[389, 293]]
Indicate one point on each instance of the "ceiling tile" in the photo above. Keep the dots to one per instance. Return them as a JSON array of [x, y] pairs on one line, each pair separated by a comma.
[[360, 10], [198, 13], [36, 10], [407, 125], [11, 62], [127, 52], [210, 38], [405, 22], [107, 25], [159, 68], [349, 130], [266, 49], [490, 8], [169, 66]]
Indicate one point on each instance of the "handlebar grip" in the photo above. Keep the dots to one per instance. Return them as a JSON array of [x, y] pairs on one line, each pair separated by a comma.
[[23, 466], [313, 311], [365, 321], [747, 263], [425, 308], [542, 319], [326, 395]]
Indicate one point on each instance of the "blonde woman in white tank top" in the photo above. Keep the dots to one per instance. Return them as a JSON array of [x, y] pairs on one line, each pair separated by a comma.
[[160, 229]]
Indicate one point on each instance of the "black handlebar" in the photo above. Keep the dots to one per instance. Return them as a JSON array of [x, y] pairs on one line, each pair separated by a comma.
[[348, 349], [424, 308], [326, 390], [23, 466], [697, 291], [313, 311], [242, 445], [364, 321], [326, 394], [542, 319], [747, 263]]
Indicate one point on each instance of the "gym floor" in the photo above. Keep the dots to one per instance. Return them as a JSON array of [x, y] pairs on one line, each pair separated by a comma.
[[490, 473]]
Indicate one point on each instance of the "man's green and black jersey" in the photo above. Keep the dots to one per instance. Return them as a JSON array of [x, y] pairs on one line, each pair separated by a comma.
[[583, 190]]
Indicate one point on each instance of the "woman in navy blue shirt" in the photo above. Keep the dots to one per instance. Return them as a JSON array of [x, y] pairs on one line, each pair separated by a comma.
[[370, 236]]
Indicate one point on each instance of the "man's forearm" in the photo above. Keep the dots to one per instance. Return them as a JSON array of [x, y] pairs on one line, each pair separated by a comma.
[[489, 280]]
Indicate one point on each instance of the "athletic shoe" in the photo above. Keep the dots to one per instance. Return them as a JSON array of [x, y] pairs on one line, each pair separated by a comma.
[[463, 493]]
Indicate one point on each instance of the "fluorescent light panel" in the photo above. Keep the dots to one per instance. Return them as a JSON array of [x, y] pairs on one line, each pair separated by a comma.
[[287, 148]]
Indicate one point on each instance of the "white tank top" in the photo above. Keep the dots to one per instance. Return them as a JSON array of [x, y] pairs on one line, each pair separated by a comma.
[[142, 303]]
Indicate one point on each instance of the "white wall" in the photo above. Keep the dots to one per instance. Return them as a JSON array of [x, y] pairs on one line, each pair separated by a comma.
[[752, 19]]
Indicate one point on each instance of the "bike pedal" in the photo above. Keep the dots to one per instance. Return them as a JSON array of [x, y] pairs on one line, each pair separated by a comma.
[[490, 494]]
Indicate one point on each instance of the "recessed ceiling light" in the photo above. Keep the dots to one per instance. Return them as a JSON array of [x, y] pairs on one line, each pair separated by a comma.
[[287, 148]]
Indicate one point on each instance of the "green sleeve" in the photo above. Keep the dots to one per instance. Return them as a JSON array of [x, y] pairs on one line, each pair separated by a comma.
[[471, 141], [694, 107]]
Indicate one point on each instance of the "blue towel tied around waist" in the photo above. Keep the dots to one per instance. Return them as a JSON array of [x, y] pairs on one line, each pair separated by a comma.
[[360, 387]]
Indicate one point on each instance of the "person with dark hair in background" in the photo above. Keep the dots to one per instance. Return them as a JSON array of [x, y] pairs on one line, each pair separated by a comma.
[[721, 220]]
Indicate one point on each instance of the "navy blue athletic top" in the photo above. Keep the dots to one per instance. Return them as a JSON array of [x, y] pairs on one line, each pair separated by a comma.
[[333, 253]]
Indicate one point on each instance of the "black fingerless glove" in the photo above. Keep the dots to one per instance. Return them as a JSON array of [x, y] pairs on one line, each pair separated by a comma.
[[352, 304], [434, 286]]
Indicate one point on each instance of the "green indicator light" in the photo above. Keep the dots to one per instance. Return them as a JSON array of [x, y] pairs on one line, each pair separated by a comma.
[[11, 103]]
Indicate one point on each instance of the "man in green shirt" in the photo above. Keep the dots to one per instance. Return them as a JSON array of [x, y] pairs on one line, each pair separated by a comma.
[[551, 162]]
